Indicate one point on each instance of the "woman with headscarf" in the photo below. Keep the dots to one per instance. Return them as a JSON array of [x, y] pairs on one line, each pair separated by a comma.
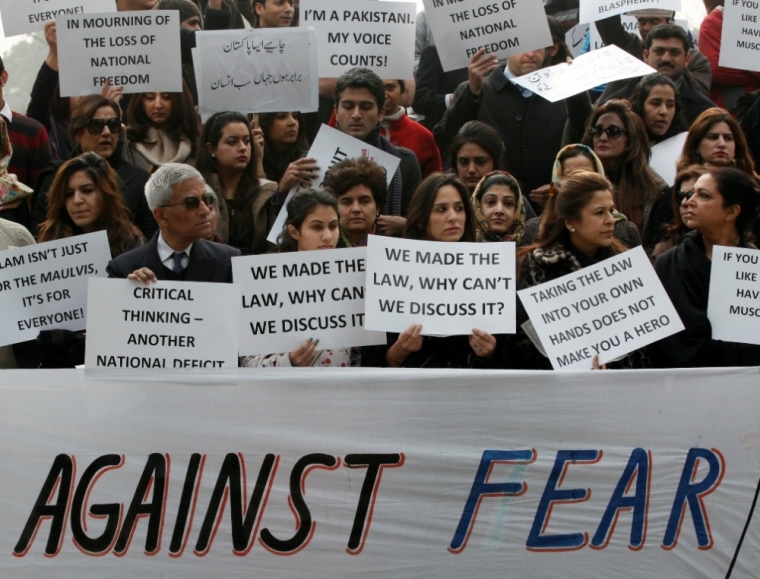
[[498, 208]]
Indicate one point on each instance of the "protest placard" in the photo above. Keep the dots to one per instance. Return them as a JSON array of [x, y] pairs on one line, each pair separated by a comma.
[[137, 50], [166, 324], [44, 286], [26, 16], [611, 308], [587, 71], [631, 24], [366, 33], [733, 306], [332, 146], [593, 10], [502, 27], [449, 288], [665, 155], [291, 297], [257, 71], [740, 41]]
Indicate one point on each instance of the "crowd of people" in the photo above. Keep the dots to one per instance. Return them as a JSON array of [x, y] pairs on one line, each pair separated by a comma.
[[482, 159]]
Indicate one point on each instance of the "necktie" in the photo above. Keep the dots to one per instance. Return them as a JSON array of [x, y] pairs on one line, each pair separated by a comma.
[[177, 257]]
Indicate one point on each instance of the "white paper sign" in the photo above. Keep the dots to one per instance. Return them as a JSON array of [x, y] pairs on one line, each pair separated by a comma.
[[26, 16], [740, 41], [449, 288], [665, 156], [502, 27], [631, 25], [733, 306], [558, 82], [257, 71], [332, 146], [593, 10], [167, 324], [291, 297], [365, 33], [611, 308], [44, 286], [138, 50]]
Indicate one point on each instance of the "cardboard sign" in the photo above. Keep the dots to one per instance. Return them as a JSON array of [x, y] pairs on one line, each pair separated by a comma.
[[665, 156], [740, 41], [165, 325], [593, 10], [502, 27], [138, 50], [257, 71], [365, 33], [27, 16], [44, 286], [611, 308], [332, 146], [449, 288], [558, 82], [291, 297], [733, 306]]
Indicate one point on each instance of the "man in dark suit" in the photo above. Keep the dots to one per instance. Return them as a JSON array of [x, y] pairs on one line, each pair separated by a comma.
[[177, 195]]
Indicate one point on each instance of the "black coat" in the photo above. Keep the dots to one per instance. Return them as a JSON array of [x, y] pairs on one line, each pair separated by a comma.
[[433, 85]]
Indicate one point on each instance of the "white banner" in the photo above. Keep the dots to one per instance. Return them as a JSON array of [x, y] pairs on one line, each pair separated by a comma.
[[449, 288], [665, 155], [257, 71], [332, 146], [733, 306], [558, 82], [593, 10], [365, 33], [138, 50], [611, 308], [740, 41], [291, 297], [166, 324], [44, 286], [502, 27], [397, 474], [27, 16]]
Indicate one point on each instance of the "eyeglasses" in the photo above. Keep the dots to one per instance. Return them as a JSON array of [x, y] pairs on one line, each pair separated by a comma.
[[95, 126], [191, 202], [683, 195], [613, 131]]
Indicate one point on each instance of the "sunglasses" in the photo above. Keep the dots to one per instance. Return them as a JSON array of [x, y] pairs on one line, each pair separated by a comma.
[[613, 131], [681, 196], [192, 202], [95, 126]]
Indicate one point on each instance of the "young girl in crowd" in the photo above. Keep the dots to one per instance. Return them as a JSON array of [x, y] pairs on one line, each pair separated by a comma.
[[576, 231], [720, 210], [440, 211], [312, 224], [656, 100], [227, 161], [285, 145], [498, 207]]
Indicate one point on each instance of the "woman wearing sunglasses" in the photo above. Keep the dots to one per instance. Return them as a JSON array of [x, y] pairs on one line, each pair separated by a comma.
[[95, 126], [720, 210], [618, 137], [673, 232], [227, 160]]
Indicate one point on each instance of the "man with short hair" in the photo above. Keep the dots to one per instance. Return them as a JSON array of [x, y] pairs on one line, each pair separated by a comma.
[[177, 195], [667, 50], [31, 154], [273, 13], [359, 103], [189, 13]]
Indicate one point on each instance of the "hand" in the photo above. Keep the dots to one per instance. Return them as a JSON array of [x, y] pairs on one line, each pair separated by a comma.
[[305, 354], [596, 365], [540, 196], [258, 142], [480, 65], [482, 343], [51, 37], [408, 342], [391, 225], [115, 94], [144, 275], [299, 173]]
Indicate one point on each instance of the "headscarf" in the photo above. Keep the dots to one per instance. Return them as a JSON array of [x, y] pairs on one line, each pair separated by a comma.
[[11, 190], [483, 231]]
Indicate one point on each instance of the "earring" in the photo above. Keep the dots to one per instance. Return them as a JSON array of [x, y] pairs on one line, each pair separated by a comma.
[[572, 230]]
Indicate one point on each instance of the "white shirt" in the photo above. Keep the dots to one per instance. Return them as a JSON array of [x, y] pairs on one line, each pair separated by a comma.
[[7, 113], [165, 253], [525, 92]]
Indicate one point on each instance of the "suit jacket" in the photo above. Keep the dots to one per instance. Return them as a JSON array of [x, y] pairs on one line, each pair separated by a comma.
[[209, 261]]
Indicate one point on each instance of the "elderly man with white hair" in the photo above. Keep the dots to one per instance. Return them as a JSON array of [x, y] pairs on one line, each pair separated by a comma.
[[177, 195]]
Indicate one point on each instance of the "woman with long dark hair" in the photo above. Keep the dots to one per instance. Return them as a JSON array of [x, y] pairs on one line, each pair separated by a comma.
[[715, 139], [285, 144], [656, 100]]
